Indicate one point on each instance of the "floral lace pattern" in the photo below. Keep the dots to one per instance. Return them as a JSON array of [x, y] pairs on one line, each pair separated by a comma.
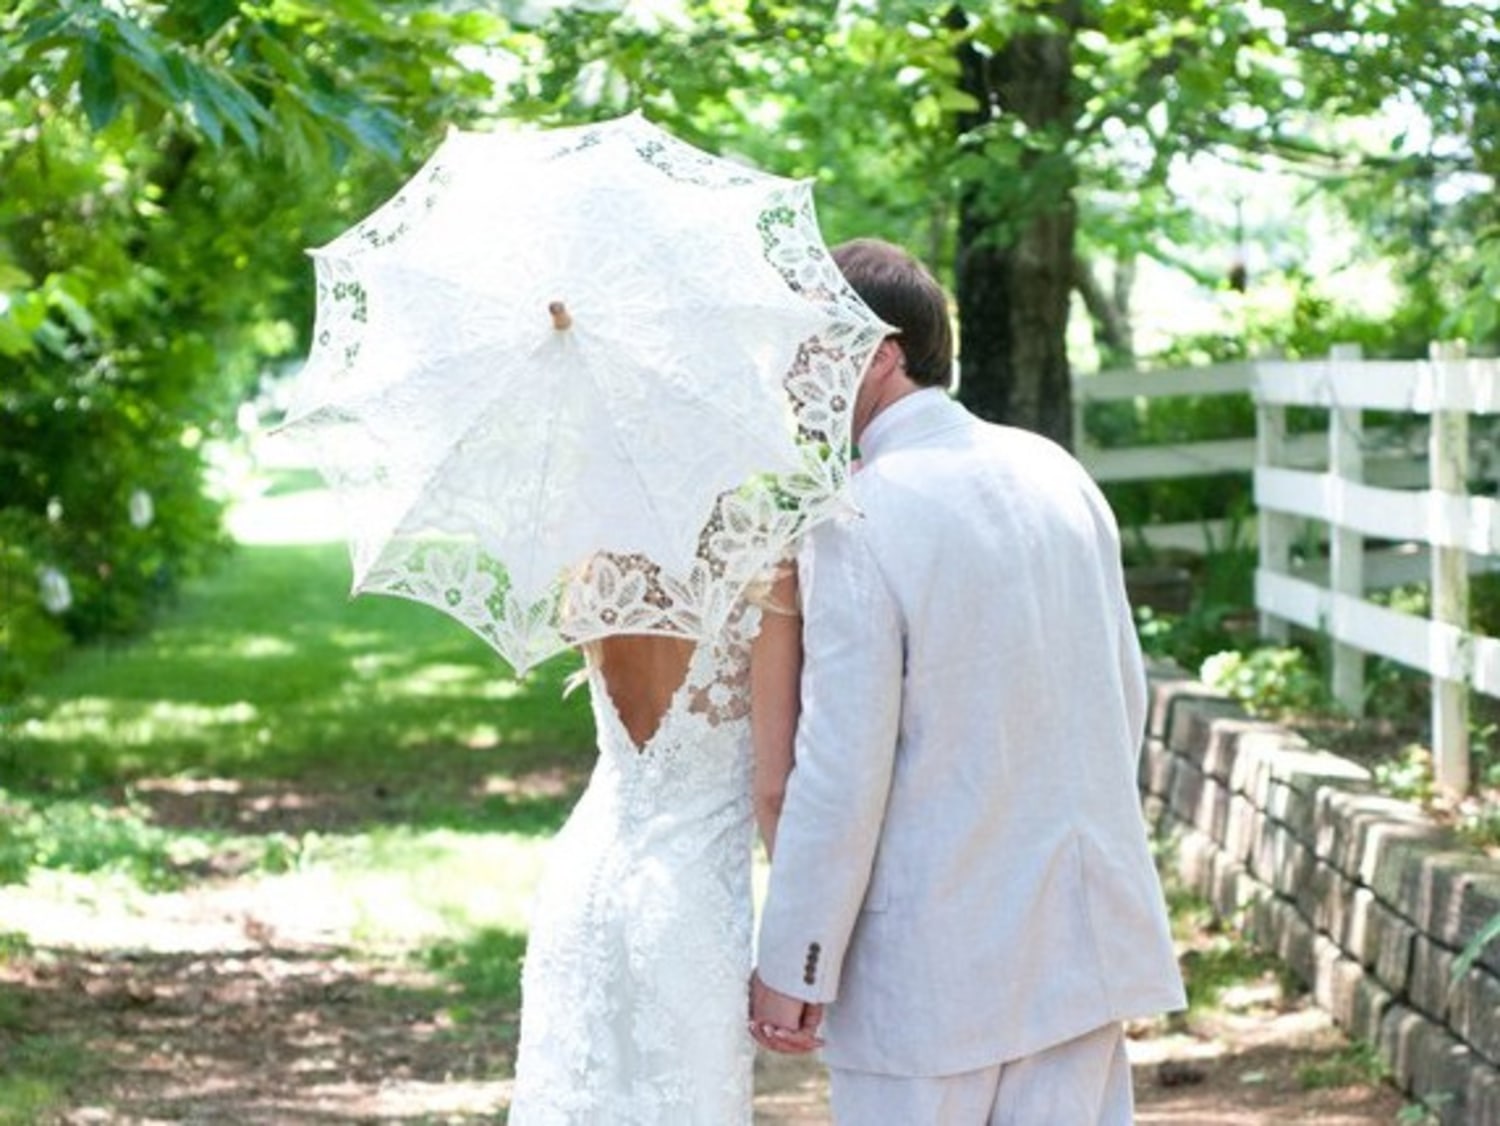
[[634, 984], [692, 421]]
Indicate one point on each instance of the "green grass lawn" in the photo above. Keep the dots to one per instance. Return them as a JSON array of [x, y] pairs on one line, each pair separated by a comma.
[[368, 753]]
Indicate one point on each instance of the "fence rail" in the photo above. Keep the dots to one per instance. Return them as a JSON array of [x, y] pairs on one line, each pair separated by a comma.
[[1381, 513], [1388, 462]]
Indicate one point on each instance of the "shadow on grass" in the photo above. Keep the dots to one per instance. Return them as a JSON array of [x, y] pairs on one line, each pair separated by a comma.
[[271, 1035], [269, 703], [266, 672]]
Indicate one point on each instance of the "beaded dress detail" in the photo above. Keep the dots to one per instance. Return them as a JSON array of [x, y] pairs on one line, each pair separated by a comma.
[[634, 987]]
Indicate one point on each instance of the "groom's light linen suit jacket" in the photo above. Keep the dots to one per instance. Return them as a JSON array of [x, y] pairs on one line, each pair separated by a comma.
[[961, 866]]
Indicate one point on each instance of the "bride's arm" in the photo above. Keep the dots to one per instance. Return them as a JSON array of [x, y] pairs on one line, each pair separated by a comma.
[[775, 683]]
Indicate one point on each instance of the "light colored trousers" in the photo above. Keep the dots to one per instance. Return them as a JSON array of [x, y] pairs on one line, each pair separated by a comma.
[[1082, 1082]]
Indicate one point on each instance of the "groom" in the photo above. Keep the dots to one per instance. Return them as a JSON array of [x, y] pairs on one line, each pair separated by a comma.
[[962, 873]]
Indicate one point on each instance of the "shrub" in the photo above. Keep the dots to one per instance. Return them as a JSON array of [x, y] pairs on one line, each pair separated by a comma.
[[1270, 681]]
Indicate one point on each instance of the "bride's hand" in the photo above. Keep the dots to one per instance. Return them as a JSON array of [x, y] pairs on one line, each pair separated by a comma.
[[781, 1023]]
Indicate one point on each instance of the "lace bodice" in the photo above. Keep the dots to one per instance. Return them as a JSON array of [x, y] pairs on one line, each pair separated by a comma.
[[634, 985], [697, 757]]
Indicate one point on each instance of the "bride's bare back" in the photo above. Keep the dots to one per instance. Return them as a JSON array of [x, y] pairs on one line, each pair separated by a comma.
[[642, 674]]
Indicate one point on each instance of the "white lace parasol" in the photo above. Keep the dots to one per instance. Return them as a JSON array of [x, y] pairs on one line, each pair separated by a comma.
[[581, 381]]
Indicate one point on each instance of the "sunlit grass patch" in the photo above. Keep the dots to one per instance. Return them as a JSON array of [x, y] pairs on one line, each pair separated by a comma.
[[118, 839], [35, 1069], [1358, 1064], [268, 669], [485, 965], [25, 1099], [1220, 968]]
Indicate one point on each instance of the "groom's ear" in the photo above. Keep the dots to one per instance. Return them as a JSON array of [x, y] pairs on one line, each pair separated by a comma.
[[890, 356]]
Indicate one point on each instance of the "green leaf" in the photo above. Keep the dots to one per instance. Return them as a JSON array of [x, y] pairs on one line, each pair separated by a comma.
[[205, 111], [282, 61], [97, 85], [43, 28], [477, 27], [13, 277], [237, 108], [73, 311], [955, 100], [14, 340], [147, 54], [365, 14], [1487, 934]]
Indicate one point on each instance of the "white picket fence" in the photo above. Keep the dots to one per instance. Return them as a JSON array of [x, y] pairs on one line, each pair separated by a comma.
[[1351, 485]]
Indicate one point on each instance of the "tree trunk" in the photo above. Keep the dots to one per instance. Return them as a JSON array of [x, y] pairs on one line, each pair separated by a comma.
[[1110, 312], [1015, 260]]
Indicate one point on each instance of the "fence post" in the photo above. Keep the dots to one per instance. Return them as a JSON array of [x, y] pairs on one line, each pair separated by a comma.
[[1346, 570], [1448, 455], [1274, 528]]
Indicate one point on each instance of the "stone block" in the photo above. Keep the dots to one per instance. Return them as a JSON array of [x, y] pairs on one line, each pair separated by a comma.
[[1190, 724], [1155, 768], [1474, 1013], [1166, 685], [1334, 977], [1230, 736], [1327, 898], [1356, 938], [1234, 889], [1389, 947], [1239, 832], [1352, 828], [1296, 944], [1264, 920], [1185, 789], [1484, 1095], [1397, 865], [1430, 986], [1440, 1073], [1453, 895], [1400, 1028], [1280, 859], [1274, 925], [1308, 770], [1430, 1063], [1368, 1003], [1380, 940], [1257, 755], [1196, 854], [1292, 807], [1265, 757], [1212, 815]]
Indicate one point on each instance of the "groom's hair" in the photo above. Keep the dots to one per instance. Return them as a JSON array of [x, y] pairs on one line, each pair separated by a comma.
[[907, 297]]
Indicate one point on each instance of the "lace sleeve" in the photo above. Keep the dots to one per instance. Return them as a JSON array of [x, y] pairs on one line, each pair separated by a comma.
[[720, 684]]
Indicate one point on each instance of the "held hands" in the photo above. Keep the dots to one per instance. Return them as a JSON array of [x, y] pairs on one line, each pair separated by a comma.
[[781, 1023]]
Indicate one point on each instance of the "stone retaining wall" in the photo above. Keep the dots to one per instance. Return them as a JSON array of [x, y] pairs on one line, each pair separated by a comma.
[[1364, 897]]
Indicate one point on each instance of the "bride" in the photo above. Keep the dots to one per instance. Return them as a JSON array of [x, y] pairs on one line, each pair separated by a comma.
[[634, 986]]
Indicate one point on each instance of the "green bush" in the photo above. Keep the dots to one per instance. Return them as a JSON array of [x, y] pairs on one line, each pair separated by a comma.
[[164, 167], [1269, 680], [31, 636]]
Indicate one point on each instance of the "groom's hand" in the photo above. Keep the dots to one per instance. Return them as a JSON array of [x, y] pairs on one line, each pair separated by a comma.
[[782, 1023]]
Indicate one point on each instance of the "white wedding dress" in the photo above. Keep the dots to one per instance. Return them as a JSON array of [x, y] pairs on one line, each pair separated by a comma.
[[635, 981]]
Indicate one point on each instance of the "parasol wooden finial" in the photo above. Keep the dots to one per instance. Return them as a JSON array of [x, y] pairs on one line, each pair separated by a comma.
[[561, 318]]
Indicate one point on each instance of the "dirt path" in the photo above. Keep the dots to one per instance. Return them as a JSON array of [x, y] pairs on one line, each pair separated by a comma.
[[215, 1008], [240, 1001]]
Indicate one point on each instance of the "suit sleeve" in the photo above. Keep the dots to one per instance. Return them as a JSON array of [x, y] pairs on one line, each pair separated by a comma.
[[845, 755], [1132, 664], [1133, 679]]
